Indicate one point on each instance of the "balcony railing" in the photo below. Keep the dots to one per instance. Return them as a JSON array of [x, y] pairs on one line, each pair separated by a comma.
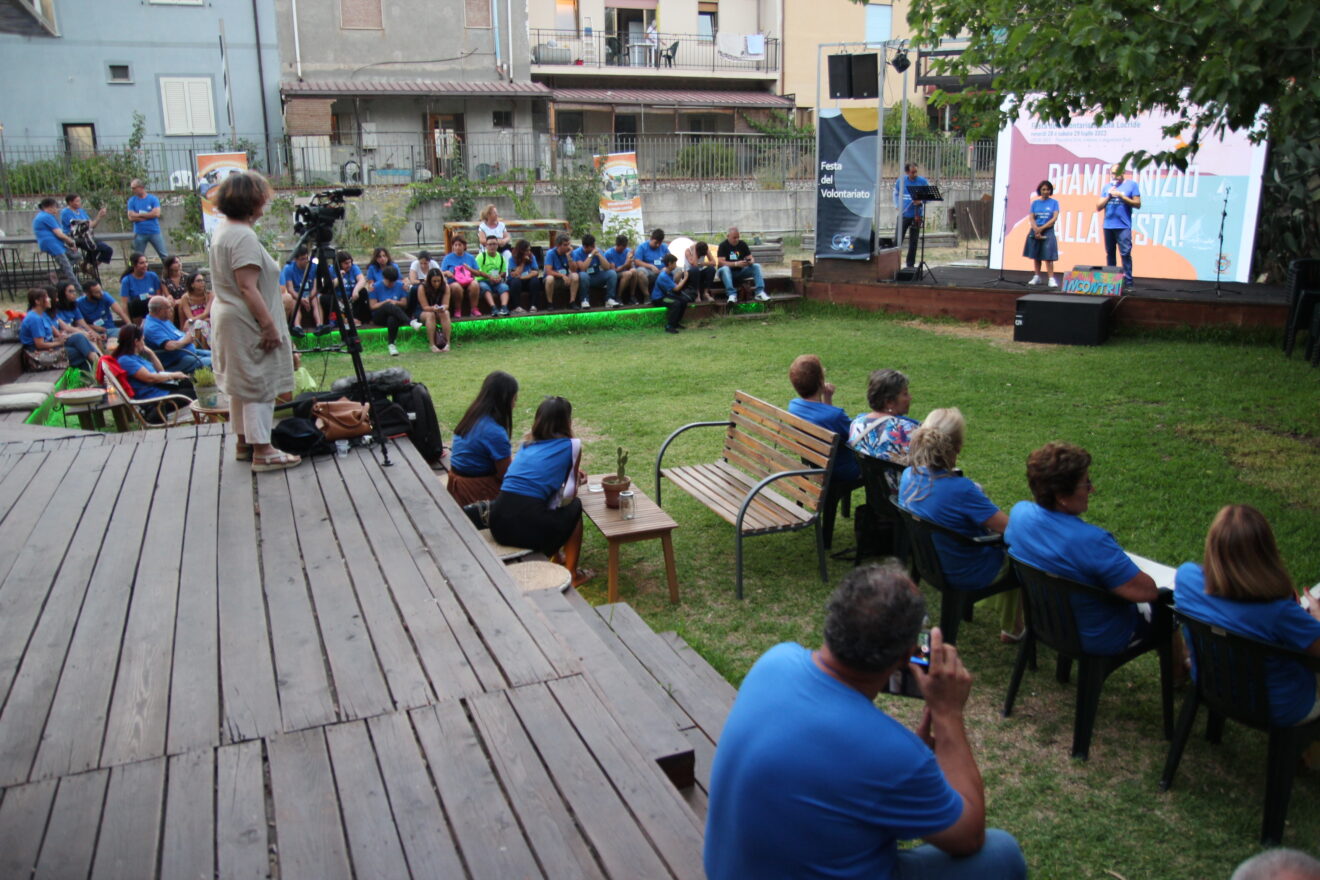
[[671, 52]]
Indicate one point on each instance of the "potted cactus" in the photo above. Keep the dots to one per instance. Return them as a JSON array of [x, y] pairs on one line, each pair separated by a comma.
[[618, 481]]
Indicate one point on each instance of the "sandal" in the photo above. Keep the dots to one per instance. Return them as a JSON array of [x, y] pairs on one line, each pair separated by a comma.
[[276, 462], [242, 451]]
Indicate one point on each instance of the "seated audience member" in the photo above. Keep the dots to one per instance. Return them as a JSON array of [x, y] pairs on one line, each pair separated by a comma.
[[100, 310], [460, 270], [354, 282], [1049, 533], [481, 451], [525, 281], [421, 267], [429, 301], [669, 292], [702, 267], [934, 489], [299, 277], [172, 280], [1280, 863], [492, 225], [73, 212], [42, 340], [594, 273], [559, 273], [388, 300], [175, 349], [375, 271], [538, 507], [193, 310], [649, 258], [51, 238], [620, 258], [887, 429], [815, 403], [138, 287], [812, 779], [147, 379], [737, 264], [66, 317], [1244, 588], [493, 273]]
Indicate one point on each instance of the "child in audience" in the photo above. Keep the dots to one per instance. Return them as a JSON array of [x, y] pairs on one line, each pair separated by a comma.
[[387, 302], [669, 293]]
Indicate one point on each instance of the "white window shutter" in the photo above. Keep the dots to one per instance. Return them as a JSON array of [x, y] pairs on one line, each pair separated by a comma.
[[188, 105], [174, 100], [201, 107]]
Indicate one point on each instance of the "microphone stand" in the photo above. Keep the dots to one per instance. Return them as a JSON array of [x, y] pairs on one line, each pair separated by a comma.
[[1001, 279], [1219, 253]]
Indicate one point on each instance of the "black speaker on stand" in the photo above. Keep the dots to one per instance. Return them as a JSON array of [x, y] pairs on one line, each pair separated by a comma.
[[840, 76], [854, 76]]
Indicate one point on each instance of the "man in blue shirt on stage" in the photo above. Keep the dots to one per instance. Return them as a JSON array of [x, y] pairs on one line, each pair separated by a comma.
[[173, 347], [1120, 197], [144, 211], [812, 779], [913, 210]]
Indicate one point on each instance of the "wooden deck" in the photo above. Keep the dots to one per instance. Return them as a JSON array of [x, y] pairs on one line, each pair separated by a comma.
[[317, 673]]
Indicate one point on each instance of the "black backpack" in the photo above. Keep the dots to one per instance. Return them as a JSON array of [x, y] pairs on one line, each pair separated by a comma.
[[300, 437], [425, 427]]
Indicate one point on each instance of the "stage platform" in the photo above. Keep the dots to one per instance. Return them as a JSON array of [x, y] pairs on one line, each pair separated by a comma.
[[976, 294], [316, 673]]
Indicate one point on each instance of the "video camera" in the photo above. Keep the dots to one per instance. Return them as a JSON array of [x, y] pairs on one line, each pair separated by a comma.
[[321, 214]]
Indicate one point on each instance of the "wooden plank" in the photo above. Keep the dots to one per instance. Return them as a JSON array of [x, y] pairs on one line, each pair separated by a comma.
[[241, 829], [23, 719], [75, 728], [722, 488], [130, 827], [247, 672], [711, 679], [194, 719], [657, 806], [622, 846], [373, 839], [419, 588], [17, 474], [359, 684], [307, 825], [645, 723], [188, 847], [797, 488], [777, 446], [301, 675], [554, 836], [671, 674], [769, 410], [484, 824], [767, 496], [22, 825], [71, 833], [771, 431], [136, 725], [704, 749], [426, 839]]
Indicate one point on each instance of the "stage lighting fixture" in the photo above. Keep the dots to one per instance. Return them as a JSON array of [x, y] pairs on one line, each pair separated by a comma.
[[901, 62]]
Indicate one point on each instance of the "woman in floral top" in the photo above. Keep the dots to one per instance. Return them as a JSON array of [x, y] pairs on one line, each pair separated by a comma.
[[886, 430]]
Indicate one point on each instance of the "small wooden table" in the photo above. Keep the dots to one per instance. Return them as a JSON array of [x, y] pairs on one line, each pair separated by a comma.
[[211, 407], [650, 521]]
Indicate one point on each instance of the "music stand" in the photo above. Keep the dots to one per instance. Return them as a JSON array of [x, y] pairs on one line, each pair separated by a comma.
[[924, 194]]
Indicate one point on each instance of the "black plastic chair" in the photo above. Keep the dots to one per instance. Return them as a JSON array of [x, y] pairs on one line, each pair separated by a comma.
[[1048, 608], [838, 497], [668, 55], [955, 604], [1231, 681], [1303, 298], [879, 477]]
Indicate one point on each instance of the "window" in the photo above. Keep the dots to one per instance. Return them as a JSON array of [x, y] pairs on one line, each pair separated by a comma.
[[188, 106], [118, 73], [879, 23], [360, 15], [477, 13], [707, 25], [80, 138], [501, 119], [566, 15], [175, 2]]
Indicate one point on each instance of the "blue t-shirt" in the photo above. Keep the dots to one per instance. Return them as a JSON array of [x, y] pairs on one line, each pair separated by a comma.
[[36, 325], [812, 779], [291, 272], [617, 257], [133, 287], [375, 275], [834, 419], [43, 227], [97, 312], [474, 454], [452, 261], [385, 291], [646, 253], [1118, 213], [1280, 621], [539, 468], [594, 262], [1066, 546], [69, 316], [141, 390], [664, 283], [141, 206], [956, 503], [1043, 209], [157, 332], [557, 261], [904, 198], [349, 277], [530, 266], [68, 216]]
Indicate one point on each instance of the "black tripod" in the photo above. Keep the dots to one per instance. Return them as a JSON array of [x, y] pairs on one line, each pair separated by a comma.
[[319, 220]]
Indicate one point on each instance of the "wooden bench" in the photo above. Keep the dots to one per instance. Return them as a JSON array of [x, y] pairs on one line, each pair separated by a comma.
[[763, 444]]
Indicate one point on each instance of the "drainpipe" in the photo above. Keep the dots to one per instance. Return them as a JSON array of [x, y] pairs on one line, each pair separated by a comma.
[[261, 85], [495, 15], [297, 51], [508, 16]]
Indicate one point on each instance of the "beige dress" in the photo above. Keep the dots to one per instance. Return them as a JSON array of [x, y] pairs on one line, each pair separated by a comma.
[[242, 369]]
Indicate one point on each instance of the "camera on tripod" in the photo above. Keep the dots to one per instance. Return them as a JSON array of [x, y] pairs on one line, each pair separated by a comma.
[[325, 209]]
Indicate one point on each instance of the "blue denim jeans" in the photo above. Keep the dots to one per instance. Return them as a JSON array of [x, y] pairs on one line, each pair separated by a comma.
[[79, 349], [1001, 858], [155, 239], [182, 360], [729, 277], [1120, 239], [606, 278]]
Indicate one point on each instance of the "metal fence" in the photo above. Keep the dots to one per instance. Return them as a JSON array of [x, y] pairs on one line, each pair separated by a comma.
[[692, 52]]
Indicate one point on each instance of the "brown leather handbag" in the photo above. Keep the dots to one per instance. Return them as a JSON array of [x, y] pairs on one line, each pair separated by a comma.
[[341, 419]]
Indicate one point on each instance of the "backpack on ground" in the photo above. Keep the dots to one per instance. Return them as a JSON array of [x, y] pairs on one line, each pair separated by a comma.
[[300, 437], [425, 431]]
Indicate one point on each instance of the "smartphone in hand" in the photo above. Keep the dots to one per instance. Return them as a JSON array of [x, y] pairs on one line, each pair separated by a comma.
[[903, 682]]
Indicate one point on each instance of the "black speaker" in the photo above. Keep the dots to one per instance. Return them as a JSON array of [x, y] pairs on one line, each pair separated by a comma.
[[1063, 319], [865, 75], [840, 76]]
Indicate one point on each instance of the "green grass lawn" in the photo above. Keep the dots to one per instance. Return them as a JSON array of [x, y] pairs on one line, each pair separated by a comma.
[[1178, 426]]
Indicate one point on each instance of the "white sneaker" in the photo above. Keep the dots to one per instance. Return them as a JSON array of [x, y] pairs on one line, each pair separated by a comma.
[[1053, 283], [1035, 279], [521, 311], [611, 304], [416, 324], [733, 299], [762, 296], [394, 350]]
